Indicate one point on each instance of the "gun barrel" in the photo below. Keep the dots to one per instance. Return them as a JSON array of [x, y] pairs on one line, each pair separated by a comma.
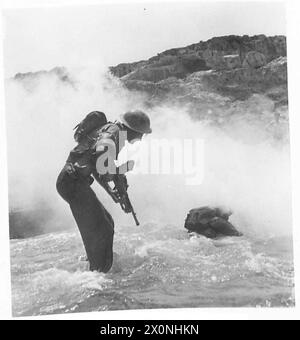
[[124, 201], [135, 218]]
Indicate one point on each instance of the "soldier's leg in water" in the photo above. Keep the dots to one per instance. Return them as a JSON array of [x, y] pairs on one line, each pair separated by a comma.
[[94, 222], [95, 228], [109, 243]]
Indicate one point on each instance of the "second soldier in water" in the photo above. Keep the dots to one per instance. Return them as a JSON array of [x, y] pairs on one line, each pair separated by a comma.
[[94, 158]]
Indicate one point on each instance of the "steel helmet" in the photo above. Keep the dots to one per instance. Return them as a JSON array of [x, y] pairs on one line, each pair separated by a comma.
[[137, 121]]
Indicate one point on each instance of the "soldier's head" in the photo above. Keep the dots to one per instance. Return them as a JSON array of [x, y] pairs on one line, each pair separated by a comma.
[[136, 123]]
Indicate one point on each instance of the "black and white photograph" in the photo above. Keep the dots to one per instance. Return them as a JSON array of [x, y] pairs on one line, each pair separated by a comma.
[[148, 157]]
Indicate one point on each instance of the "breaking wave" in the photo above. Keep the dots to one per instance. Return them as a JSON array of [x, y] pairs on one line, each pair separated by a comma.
[[155, 266]]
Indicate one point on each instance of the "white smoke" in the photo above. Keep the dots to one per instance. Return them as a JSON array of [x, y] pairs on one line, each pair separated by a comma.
[[250, 176]]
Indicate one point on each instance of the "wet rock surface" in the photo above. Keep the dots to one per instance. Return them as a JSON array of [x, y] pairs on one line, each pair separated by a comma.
[[210, 222]]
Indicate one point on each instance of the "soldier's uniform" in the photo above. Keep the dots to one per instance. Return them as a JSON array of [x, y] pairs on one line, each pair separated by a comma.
[[95, 224], [84, 164]]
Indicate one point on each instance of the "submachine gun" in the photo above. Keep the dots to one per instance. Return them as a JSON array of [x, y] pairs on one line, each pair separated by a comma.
[[119, 194]]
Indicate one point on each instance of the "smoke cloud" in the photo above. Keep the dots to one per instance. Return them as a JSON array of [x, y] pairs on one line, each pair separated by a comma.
[[245, 168]]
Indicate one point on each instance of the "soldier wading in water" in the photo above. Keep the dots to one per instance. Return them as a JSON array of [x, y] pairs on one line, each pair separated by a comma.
[[99, 143]]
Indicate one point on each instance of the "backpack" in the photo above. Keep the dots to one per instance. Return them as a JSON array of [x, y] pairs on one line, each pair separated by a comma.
[[93, 121]]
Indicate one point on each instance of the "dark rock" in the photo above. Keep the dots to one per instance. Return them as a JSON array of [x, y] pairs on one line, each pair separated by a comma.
[[125, 68], [206, 75], [37, 219], [210, 222], [233, 83], [254, 59], [218, 53], [28, 222]]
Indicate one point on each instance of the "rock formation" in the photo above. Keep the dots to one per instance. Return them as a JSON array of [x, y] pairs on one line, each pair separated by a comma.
[[211, 222], [231, 66], [219, 81], [218, 53]]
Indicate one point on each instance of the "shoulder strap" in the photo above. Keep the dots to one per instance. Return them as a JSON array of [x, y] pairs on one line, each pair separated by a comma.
[[110, 130]]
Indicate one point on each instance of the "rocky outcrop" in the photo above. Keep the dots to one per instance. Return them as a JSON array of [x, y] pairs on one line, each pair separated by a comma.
[[220, 53], [233, 67], [29, 222], [211, 222], [232, 61], [221, 81], [254, 59], [125, 68], [235, 84], [221, 98]]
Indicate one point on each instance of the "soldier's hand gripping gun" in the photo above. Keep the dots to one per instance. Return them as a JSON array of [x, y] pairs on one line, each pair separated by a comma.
[[121, 187], [119, 195]]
